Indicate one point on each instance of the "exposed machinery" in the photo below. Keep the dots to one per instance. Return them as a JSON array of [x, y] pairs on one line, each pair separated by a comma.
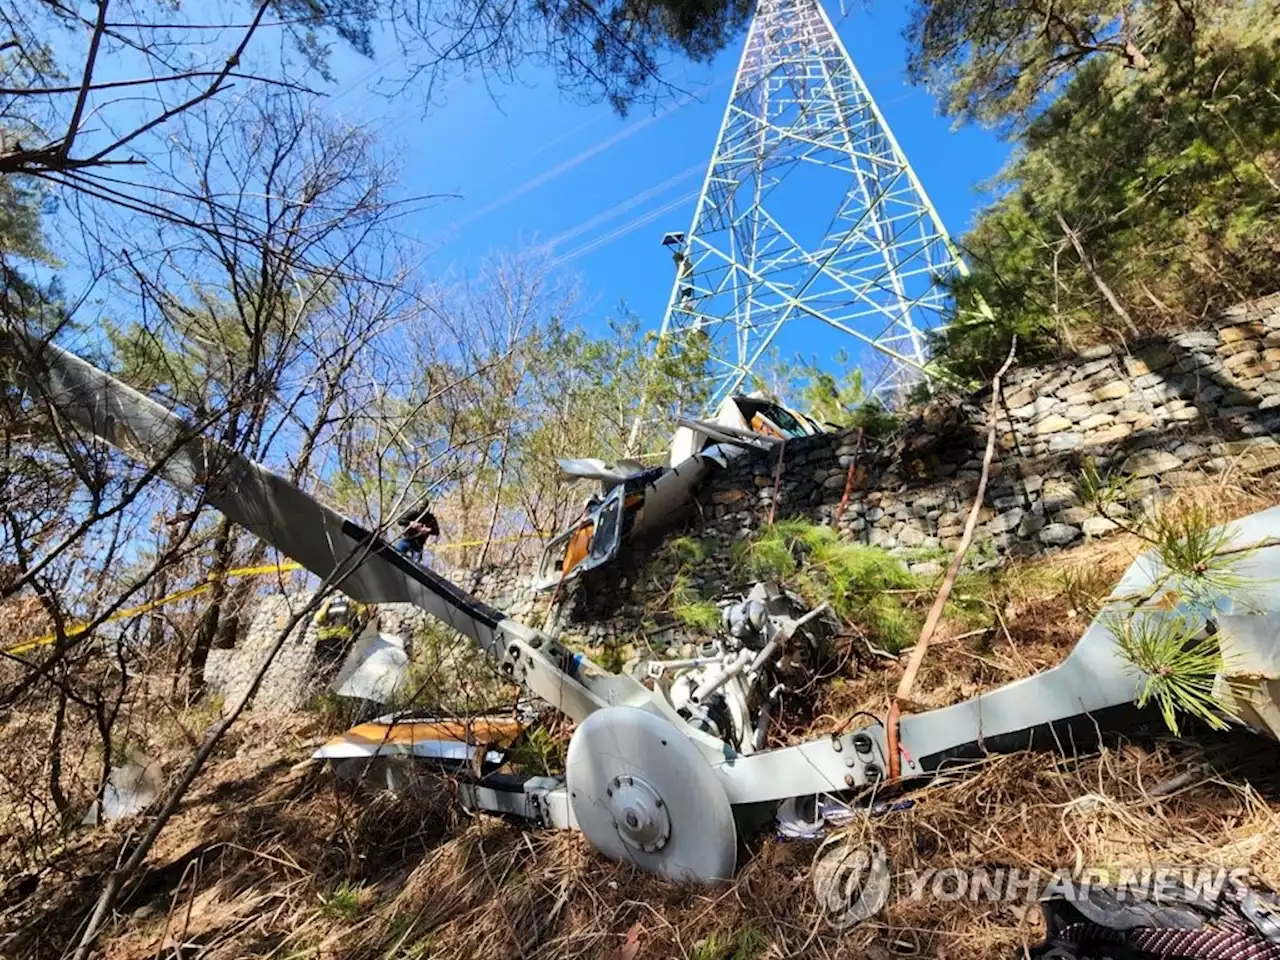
[[658, 772], [635, 500]]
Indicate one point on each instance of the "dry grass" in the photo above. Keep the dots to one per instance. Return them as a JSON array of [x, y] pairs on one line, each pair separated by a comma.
[[299, 866]]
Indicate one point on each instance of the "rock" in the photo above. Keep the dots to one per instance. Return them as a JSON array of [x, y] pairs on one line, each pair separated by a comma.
[[1096, 353], [1073, 515], [1058, 534], [1185, 414], [1043, 407], [1051, 424], [1111, 434], [1170, 389], [1239, 346], [1243, 332], [931, 500], [1058, 495], [926, 569], [1096, 421], [1236, 448], [1098, 526], [1030, 523], [1019, 398], [1268, 402], [833, 482], [1245, 357], [1148, 380], [1094, 366], [1151, 462], [910, 537], [1032, 483], [883, 539], [1208, 394], [1062, 442], [1076, 389], [1148, 361], [1197, 339], [1113, 391], [1006, 521]]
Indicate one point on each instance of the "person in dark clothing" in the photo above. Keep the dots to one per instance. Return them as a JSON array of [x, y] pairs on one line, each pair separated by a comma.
[[419, 523]]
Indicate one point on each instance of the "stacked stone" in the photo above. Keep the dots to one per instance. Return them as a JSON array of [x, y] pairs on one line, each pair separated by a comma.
[[1164, 414], [287, 682]]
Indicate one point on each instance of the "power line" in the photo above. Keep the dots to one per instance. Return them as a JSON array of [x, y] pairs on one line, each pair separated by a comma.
[[621, 207], [626, 228]]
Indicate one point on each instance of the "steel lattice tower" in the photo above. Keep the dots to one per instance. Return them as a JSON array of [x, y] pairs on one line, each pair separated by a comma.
[[810, 212]]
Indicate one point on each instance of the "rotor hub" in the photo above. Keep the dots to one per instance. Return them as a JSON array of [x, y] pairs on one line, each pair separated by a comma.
[[639, 813]]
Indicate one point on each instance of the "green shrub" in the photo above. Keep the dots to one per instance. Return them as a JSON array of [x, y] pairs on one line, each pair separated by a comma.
[[447, 673], [539, 753], [852, 577], [700, 616], [687, 604], [1180, 663], [343, 903]]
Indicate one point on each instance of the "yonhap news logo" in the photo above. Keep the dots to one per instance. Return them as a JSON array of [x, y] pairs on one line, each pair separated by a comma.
[[853, 881]]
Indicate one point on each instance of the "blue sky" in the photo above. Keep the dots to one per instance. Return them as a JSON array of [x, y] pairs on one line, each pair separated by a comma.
[[533, 167]]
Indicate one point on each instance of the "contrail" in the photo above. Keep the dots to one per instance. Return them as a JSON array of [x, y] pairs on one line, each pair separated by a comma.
[[547, 176]]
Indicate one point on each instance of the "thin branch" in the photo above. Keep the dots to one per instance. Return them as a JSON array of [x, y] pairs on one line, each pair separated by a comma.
[[144, 81], [232, 62], [908, 680], [86, 84]]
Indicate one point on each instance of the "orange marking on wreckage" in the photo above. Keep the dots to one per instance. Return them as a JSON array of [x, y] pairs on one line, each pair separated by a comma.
[[579, 544], [492, 732]]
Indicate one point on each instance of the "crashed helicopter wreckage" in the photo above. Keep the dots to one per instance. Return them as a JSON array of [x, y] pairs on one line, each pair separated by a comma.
[[654, 777], [636, 500]]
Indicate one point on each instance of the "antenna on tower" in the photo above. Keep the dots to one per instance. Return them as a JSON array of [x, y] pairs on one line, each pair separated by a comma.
[[810, 218]]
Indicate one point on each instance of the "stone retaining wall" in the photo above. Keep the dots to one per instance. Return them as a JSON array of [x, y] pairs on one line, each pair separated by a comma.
[[1163, 413], [289, 678]]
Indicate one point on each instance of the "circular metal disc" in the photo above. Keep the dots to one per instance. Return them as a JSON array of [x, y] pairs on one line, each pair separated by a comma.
[[643, 794]]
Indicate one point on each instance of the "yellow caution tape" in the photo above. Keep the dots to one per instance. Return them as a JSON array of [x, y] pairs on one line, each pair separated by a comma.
[[197, 590], [478, 543], [150, 605]]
